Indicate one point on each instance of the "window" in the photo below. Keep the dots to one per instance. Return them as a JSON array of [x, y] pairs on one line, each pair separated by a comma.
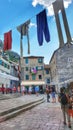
[[33, 77], [40, 60], [5, 65], [40, 76], [26, 68], [8, 66], [27, 77], [0, 62], [40, 67], [26, 60], [48, 80], [47, 71], [70, 59], [37, 68]]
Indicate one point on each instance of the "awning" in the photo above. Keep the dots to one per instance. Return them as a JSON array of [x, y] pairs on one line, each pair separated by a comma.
[[33, 83], [7, 76]]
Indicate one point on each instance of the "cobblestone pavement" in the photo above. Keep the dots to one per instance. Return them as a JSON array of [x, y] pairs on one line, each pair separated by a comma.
[[46, 116]]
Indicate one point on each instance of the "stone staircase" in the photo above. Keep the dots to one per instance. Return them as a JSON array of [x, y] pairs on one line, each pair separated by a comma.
[[14, 111]]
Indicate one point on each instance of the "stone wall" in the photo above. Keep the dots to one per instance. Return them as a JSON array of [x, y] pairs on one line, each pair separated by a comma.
[[65, 62]]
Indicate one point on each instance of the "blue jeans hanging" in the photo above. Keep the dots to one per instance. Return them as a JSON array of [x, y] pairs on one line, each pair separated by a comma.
[[42, 27]]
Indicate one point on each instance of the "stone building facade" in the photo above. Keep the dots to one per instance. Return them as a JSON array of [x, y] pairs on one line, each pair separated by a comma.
[[62, 62], [33, 71], [62, 65]]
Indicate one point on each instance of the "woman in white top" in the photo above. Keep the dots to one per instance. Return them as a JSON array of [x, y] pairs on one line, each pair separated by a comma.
[[22, 89], [30, 89]]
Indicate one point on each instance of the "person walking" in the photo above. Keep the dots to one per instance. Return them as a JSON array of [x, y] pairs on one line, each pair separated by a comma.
[[3, 89], [48, 92], [23, 89], [37, 90], [64, 100], [53, 94], [18, 89], [30, 90]]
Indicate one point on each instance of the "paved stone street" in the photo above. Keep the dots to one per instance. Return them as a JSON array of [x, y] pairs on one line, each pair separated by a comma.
[[46, 116]]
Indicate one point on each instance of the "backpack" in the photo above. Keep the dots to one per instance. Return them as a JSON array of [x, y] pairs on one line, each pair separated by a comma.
[[63, 99], [47, 90]]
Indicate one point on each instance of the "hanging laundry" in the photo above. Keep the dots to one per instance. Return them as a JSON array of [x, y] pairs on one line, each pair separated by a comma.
[[24, 31], [28, 43], [7, 40], [42, 27]]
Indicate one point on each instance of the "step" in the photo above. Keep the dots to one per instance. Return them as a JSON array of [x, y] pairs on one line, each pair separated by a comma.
[[9, 96], [18, 111]]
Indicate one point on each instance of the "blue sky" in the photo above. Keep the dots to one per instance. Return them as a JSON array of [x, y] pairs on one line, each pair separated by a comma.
[[15, 12]]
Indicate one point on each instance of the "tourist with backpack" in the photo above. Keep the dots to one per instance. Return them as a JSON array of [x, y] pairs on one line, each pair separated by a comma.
[[64, 100]]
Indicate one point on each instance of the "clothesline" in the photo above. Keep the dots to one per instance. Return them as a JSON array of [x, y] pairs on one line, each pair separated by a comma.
[[42, 29], [29, 18], [14, 28]]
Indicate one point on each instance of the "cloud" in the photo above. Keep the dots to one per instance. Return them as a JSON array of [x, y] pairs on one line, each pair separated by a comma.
[[42, 2], [48, 5], [67, 3], [35, 2], [32, 25]]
